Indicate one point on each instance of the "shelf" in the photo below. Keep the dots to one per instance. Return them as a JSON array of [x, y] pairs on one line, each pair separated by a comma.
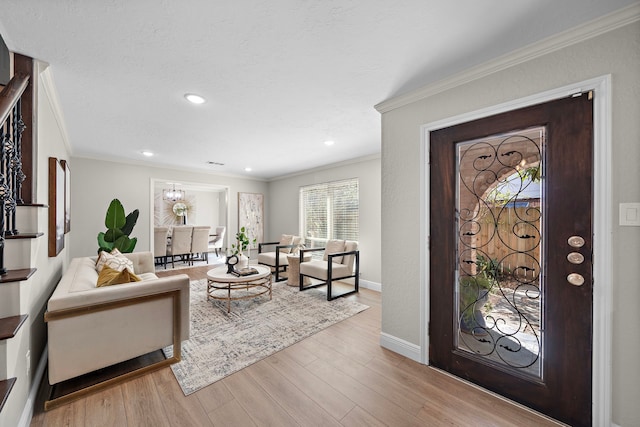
[[33, 205], [5, 389], [24, 236], [9, 326], [17, 275]]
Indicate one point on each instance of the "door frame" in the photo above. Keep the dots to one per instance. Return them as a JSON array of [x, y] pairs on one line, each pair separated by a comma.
[[602, 226]]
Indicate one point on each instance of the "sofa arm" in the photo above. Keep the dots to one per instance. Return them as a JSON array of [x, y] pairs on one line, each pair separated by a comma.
[[116, 325]]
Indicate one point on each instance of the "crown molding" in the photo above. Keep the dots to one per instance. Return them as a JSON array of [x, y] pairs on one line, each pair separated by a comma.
[[588, 30], [166, 166], [49, 87], [327, 167]]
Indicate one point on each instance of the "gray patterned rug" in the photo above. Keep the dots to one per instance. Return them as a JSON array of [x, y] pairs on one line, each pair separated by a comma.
[[223, 343]]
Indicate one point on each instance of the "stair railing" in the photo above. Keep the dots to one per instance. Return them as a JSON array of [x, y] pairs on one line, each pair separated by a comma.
[[11, 174]]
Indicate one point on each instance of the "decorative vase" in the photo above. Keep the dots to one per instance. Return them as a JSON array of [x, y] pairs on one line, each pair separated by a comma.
[[243, 262]]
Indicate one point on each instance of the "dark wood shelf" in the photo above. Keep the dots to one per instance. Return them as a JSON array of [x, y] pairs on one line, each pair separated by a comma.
[[5, 389], [24, 236], [17, 275], [33, 205], [9, 326]]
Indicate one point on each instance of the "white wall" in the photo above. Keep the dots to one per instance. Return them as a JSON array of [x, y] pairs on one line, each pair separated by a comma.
[[617, 53], [204, 208], [35, 292], [282, 216], [94, 183]]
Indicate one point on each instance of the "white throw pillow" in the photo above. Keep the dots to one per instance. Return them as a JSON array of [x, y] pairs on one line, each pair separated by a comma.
[[115, 260], [286, 239], [332, 247]]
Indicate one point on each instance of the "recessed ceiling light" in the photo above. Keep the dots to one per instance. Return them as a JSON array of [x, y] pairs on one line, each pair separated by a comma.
[[247, 169], [194, 99], [147, 153], [328, 143]]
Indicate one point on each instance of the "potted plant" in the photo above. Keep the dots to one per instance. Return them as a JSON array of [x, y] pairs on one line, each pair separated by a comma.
[[242, 244], [474, 294], [119, 228]]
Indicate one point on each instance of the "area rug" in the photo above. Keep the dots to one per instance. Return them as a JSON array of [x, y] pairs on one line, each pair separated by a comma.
[[222, 343]]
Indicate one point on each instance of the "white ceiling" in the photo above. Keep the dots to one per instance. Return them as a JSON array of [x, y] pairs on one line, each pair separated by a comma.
[[280, 76]]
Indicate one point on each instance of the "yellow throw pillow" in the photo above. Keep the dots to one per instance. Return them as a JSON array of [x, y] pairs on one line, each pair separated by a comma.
[[109, 276]]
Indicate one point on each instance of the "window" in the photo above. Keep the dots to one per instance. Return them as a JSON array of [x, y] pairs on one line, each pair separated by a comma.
[[329, 211]]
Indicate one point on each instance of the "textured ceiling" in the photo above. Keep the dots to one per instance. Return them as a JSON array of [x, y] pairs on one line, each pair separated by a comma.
[[280, 77]]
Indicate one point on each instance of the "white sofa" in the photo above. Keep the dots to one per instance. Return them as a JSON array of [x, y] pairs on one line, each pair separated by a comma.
[[94, 327]]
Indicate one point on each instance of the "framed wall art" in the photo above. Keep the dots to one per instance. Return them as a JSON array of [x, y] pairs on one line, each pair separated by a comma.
[[56, 207], [251, 216], [67, 196]]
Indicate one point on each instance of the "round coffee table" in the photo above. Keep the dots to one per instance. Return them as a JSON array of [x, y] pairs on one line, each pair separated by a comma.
[[220, 284]]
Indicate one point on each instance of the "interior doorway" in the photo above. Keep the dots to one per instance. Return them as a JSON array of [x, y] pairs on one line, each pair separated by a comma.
[[177, 202]]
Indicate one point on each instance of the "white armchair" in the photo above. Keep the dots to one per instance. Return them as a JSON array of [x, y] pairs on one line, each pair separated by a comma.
[[341, 260], [277, 259]]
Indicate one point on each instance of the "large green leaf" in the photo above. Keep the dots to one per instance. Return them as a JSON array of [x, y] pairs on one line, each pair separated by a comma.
[[131, 247], [113, 234], [103, 244], [115, 215], [125, 244], [130, 222]]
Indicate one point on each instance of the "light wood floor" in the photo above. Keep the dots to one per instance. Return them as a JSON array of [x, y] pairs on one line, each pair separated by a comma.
[[338, 377]]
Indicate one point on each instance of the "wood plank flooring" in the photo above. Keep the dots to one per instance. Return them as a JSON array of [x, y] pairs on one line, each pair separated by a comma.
[[337, 377]]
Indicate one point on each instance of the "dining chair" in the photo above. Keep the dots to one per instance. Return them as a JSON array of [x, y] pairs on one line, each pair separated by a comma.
[[218, 240], [180, 242], [200, 242], [160, 236]]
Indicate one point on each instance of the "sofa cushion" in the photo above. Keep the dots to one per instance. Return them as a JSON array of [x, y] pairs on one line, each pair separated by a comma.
[[269, 258], [110, 276], [318, 269]]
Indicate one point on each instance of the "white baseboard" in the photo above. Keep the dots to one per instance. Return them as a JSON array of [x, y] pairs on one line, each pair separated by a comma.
[[27, 411], [371, 285], [400, 346]]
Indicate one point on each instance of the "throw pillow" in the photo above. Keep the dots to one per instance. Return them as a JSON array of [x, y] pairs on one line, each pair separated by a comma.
[[109, 276], [115, 260], [286, 239], [332, 247]]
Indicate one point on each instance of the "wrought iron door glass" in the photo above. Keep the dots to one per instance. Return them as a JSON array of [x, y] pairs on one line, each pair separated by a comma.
[[499, 249]]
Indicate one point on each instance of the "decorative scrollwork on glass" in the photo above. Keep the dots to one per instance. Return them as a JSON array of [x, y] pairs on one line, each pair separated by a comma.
[[499, 249]]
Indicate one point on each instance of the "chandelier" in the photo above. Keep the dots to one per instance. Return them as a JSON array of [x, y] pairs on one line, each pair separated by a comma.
[[172, 194]]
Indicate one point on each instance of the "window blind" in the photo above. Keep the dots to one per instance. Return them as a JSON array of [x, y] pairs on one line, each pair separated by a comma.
[[329, 211]]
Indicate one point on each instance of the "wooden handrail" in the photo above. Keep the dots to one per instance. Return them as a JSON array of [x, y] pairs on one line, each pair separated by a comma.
[[11, 94]]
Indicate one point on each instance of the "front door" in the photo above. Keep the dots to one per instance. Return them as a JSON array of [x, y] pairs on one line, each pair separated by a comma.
[[511, 245]]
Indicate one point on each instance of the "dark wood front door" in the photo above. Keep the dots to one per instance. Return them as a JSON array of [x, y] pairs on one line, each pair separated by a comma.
[[511, 245]]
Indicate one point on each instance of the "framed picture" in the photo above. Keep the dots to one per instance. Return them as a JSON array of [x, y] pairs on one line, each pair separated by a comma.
[[56, 207], [67, 196], [251, 216]]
